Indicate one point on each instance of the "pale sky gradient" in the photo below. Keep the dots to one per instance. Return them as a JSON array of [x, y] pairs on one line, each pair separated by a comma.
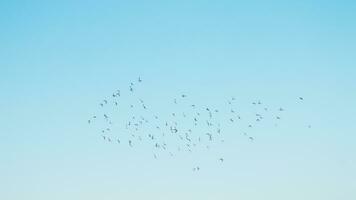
[[58, 59]]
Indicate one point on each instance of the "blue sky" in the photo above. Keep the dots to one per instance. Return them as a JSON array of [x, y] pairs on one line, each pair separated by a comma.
[[59, 59]]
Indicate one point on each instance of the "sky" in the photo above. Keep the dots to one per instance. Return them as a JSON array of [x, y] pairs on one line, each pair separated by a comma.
[[59, 59]]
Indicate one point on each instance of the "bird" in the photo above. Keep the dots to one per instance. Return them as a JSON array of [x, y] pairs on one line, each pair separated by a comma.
[[187, 134]]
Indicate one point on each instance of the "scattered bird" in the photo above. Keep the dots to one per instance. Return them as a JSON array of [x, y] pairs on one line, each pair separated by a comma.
[[183, 129]]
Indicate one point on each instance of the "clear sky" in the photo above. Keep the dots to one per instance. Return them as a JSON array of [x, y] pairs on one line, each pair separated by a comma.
[[59, 59]]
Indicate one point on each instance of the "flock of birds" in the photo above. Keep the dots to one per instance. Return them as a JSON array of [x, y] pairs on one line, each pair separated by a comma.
[[187, 129]]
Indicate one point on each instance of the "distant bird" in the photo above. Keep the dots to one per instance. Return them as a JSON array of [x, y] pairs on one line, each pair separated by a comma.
[[189, 137]]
